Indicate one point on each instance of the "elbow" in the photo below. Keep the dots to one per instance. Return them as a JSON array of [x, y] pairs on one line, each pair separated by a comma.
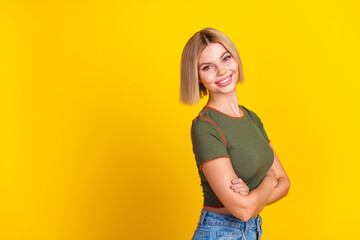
[[244, 213], [244, 217], [287, 187]]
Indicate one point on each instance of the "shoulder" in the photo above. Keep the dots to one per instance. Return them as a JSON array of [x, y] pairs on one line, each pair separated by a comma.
[[203, 119], [252, 114], [247, 110], [202, 124]]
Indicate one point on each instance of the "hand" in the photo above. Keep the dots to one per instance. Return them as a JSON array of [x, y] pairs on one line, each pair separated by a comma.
[[239, 186], [271, 173]]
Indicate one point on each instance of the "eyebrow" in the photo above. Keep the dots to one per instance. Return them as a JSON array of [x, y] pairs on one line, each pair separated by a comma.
[[219, 58]]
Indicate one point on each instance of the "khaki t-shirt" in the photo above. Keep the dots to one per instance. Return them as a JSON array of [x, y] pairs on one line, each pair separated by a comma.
[[241, 139]]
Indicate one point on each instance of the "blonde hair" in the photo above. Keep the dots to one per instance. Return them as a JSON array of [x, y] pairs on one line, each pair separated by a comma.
[[191, 90]]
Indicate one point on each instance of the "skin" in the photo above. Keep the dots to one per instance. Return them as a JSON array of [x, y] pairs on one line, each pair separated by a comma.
[[281, 190], [232, 191]]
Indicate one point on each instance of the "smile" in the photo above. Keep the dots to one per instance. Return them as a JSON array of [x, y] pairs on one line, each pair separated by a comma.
[[225, 82]]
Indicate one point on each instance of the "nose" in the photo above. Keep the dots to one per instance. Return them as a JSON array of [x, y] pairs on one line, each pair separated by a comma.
[[221, 70]]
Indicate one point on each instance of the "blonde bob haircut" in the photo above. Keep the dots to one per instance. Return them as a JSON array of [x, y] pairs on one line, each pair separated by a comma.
[[191, 89]]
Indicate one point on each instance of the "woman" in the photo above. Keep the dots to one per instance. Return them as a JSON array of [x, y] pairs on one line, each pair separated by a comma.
[[239, 170]]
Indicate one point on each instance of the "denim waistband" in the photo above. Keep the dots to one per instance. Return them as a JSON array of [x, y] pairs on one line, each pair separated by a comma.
[[225, 220]]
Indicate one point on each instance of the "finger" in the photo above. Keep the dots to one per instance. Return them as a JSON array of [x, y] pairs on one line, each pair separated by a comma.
[[242, 184], [239, 189], [237, 180]]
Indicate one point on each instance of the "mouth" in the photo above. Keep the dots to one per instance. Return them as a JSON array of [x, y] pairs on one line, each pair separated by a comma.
[[224, 80]]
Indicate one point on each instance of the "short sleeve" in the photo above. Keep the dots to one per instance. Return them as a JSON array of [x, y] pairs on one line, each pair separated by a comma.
[[208, 142], [261, 127]]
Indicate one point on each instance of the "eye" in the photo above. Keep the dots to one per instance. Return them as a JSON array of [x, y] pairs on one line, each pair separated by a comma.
[[227, 58], [205, 68]]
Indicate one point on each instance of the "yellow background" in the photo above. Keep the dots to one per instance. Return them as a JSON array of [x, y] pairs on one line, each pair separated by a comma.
[[95, 143]]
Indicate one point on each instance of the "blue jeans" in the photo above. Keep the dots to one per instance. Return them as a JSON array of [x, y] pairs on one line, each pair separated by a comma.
[[214, 225]]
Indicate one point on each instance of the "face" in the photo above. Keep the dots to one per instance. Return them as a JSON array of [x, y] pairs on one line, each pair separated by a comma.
[[218, 70]]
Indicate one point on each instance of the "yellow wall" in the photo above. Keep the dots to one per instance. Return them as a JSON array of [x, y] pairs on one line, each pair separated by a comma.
[[96, 145]]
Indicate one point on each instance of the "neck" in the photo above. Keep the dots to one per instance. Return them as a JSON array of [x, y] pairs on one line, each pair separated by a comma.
[[227, 103]]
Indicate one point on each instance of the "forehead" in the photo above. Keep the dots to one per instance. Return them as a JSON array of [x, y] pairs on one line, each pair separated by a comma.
[[212, 52]]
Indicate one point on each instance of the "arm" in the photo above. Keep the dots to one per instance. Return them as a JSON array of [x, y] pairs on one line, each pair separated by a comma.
[[281, 189], [219, 173], [283, 186]]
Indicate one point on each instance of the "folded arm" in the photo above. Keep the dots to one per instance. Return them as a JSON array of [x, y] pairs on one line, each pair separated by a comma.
[[283, 186], [219, 172], [281, 189]]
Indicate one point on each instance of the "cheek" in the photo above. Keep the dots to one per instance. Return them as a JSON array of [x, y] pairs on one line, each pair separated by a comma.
[[234, 65], [206, 77]]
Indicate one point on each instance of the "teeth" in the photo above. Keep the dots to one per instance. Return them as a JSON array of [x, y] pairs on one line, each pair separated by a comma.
[[225, 80]]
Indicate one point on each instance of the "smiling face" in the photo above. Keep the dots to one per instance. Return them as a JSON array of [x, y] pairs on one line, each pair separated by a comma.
[[218, 70]]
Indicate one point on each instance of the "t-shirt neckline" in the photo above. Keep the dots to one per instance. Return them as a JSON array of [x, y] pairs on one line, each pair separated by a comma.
[[227, 114]]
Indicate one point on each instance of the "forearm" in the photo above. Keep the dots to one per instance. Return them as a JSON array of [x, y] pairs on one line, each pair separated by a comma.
[[260, 195], [280, 191]]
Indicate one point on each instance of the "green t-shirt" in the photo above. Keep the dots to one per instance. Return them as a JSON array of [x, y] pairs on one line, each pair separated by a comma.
[[242, 139]]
